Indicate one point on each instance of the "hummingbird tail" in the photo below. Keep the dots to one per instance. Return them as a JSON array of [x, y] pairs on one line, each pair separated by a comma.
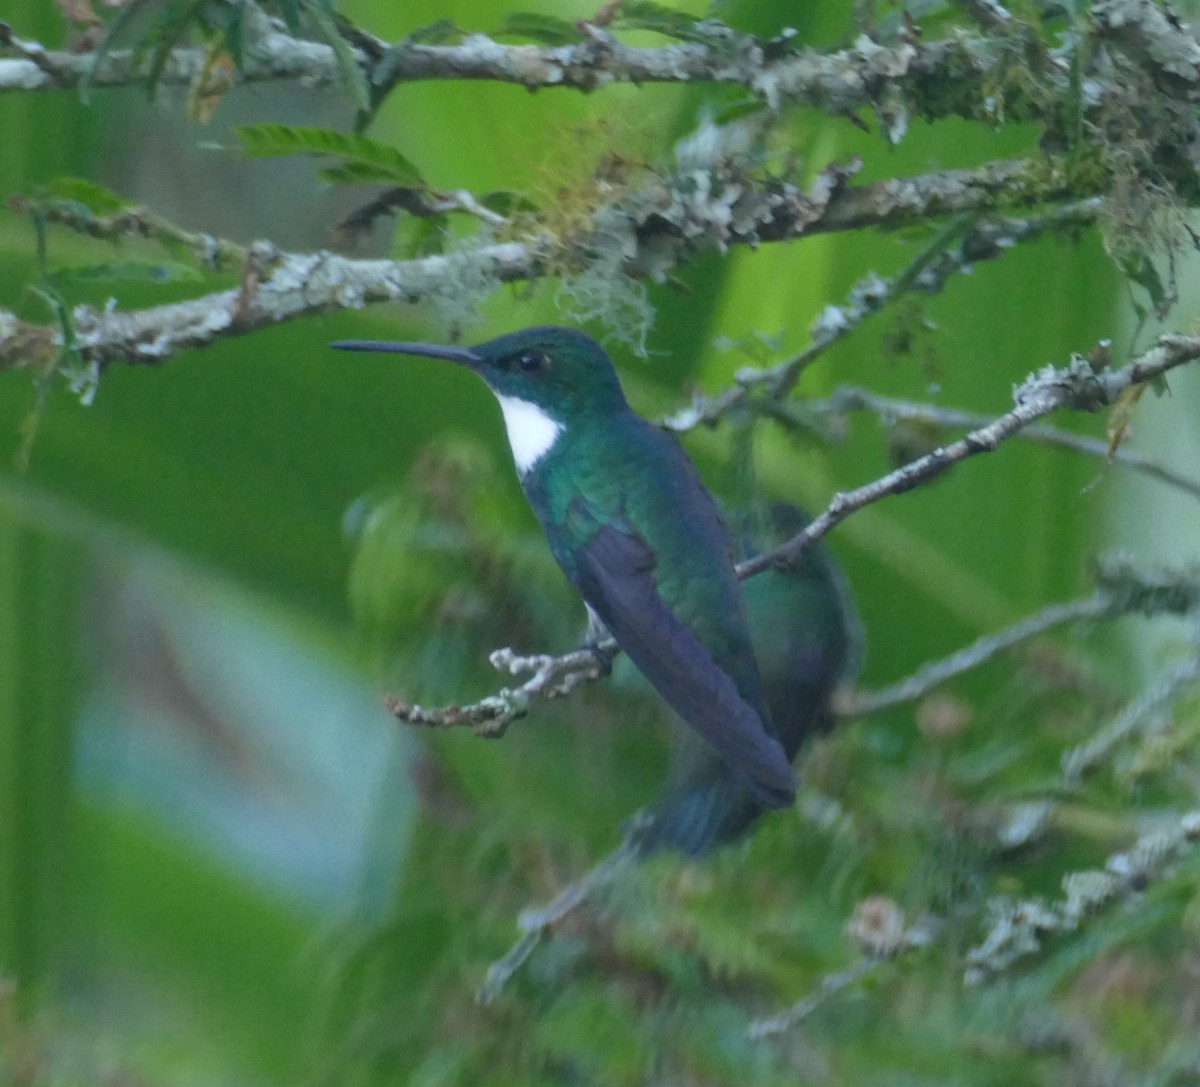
[[699, 818]]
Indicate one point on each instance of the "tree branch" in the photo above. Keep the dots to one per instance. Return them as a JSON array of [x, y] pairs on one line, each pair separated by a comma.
[[841, 82], [966, 75], [1019, 928], [1076, 386], [553, 677], [860, 703], [848, 398], [1081, 760], [135, 222], [1122, 589], [656, 228], [954, 250], [272, 55], [535, 922]]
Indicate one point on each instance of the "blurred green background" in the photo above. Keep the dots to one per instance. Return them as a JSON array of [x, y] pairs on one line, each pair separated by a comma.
[[221, 861]]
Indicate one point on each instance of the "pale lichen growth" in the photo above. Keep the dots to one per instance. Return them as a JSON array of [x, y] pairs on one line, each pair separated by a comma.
[[473, 276], [84, 380], [1016, 929], [604, 292]]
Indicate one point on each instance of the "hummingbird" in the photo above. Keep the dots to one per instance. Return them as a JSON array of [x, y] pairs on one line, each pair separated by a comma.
[[637, 535], [808, 641]]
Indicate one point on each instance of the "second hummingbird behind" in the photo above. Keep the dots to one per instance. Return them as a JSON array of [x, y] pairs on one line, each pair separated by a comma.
[[636, 533]]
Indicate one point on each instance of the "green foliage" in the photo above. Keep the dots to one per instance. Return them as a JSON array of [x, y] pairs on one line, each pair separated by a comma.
[[144, 271], [439, 32], [363, 159], [670, 22], [88, 195], [320, 12], [372, 502], [157, 27], [534, 26]]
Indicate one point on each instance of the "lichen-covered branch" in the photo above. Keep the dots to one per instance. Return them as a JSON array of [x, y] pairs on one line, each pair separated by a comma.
[[1077, 386], [849, 398], [963, 74], [935, 673], [272, 55], [937, 78], [276, 287], [1146, 707], [1019, 929], [657, 227], [1122, 589], [955, 250], [553, 677]]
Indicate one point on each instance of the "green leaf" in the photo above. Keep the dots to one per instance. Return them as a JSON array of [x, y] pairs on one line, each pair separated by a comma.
[[291, 15], [1140, 268], [539, 28], [91, 196], [352, 74], [422, 237], [234, 36], [356, 173], [165, 34], [124, 18], [144, 271], [647, 15], [438, 32], [735, 111], [271, 140], [505, 202]]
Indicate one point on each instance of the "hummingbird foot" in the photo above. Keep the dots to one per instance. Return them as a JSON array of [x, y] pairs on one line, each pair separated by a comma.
[[598, 642], [602, 653]]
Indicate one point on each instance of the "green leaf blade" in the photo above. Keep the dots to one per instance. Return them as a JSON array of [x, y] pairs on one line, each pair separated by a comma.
[[533, 26], [381, 161]]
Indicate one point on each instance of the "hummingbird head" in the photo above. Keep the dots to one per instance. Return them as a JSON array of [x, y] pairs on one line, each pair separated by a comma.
[[546, 379]]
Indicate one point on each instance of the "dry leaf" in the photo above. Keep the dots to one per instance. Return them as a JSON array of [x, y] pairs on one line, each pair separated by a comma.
[[1120, 416], [78, 11]]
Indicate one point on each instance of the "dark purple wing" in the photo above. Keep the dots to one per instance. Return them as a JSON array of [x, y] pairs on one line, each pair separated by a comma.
[[614, 571]]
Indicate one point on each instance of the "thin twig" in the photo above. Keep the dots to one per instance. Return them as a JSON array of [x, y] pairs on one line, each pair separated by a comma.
[[848, 398], [924, 679], [955, 249], [422, 203], [135, 222], [919, 934], [830, 985], [490, 717], [535, 922], [1123, 589], [1084, 758], [988, 13], [1076, 386]]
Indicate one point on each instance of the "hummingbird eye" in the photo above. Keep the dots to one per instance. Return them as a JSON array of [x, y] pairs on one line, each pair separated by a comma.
[[533, 362]]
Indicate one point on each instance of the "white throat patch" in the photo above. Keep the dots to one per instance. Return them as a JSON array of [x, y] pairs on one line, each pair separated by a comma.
[[531, 432]]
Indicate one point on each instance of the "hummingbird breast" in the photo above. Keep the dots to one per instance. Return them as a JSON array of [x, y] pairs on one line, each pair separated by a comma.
[[644, 544]]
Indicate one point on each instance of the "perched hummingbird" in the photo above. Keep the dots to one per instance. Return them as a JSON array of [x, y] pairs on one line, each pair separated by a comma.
[[636, 533], [807, 640]]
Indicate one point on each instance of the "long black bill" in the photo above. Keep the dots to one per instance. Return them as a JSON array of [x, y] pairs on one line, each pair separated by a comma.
[[462, 355]]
